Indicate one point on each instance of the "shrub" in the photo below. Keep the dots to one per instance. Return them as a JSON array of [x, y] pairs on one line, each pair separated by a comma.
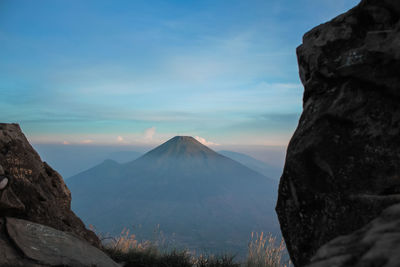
[[213, 261]]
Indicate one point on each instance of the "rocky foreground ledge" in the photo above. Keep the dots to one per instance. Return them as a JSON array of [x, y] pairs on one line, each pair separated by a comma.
[[342, 166], [37, 226]]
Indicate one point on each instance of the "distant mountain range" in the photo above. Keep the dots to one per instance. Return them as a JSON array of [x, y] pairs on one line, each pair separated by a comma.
[[124, 156], [70, 160], [201, 199], [265, 169]]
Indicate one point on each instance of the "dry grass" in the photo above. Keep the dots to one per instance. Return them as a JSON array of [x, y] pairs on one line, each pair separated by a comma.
[[130, 252], [127, 242], [263, 251]]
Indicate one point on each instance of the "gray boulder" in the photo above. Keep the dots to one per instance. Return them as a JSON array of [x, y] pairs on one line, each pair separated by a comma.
[[48, 246]]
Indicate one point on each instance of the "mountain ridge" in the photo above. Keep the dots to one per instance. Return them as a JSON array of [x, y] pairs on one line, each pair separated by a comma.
[[259, 166]]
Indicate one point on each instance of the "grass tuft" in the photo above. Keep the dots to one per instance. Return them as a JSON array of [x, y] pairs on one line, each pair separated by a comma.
[[263, 251], [129, 252]]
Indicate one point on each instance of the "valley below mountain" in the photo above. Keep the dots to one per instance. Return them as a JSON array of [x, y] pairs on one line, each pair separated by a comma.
[[198, 198]]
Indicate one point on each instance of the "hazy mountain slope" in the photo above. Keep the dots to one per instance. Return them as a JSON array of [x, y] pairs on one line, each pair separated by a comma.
[[207, 200], [265, 169], [70, 160], [124, 156]]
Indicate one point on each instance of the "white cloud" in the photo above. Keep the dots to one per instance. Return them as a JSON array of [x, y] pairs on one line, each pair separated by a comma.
[[205, 142], [66, 143], [149, 133], [120, 139], [87, 141], [278, 86]]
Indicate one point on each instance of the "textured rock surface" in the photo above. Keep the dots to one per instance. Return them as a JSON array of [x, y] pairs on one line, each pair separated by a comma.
[[377, 244], [36, 193], [55, 248], [10, 255], [342, 166]]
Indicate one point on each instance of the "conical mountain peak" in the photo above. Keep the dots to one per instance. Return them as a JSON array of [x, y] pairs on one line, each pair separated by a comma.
[[181, 146], [182, 185], [183, 139]]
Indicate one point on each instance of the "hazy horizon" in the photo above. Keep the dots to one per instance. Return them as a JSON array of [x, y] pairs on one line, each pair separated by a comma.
[[71, 159]]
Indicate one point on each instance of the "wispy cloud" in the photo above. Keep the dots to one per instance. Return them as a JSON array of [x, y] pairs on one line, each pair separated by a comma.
[[205, 67], [121, 140], [205, 142], [149, 133]]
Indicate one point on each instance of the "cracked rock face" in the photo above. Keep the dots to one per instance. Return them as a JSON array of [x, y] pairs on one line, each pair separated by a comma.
[[31, 190], [342, 166]]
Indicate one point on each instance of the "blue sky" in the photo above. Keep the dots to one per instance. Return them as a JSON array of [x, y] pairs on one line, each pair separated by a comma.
[[140, 72]]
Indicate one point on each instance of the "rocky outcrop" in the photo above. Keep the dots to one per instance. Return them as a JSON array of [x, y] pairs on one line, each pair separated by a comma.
[[36, 221], [376, 244], [342, 166]]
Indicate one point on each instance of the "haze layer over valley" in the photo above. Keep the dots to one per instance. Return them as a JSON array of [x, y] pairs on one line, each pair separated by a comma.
[[200, 199]]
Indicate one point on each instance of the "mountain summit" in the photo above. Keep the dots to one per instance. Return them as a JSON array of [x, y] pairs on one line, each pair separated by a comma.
[[199, 198], [182, 146], [185, 158]]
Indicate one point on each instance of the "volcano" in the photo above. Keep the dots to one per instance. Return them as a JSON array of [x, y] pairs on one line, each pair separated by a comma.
[[200, 199]]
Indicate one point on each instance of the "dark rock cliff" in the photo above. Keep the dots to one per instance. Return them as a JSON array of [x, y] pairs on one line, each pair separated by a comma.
[[37, 226], [342, 166]]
